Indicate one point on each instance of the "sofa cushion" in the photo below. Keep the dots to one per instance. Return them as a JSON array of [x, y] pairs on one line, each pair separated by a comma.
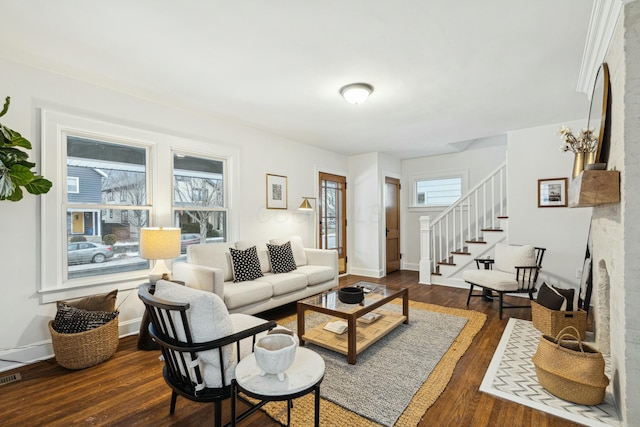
[[246, 265], [214, 255], [240, 294], [551, 298], [285, 282], [296, 247], [261, 249], [508, 257], [494, 279], [281, 258], [209, 320], [317, 274]]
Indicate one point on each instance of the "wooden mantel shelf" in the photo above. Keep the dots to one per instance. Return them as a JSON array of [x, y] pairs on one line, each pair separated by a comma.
[[594, 187]]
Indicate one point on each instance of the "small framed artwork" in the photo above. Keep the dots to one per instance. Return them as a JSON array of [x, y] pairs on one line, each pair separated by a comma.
[[552, 193], [276, 192]]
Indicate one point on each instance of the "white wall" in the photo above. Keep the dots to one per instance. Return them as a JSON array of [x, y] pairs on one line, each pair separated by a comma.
[[616, 234], [534, 154], [31, 89], [480, 159]]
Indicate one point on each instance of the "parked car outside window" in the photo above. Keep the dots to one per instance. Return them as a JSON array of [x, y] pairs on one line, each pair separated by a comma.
[[188, 239], [82, 252]]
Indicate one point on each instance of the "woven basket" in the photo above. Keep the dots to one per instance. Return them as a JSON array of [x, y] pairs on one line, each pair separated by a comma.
[[551, 322], [84, 349], [571, 370]]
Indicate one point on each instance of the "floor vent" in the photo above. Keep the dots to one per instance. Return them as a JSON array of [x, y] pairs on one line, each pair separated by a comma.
[[10, 379]]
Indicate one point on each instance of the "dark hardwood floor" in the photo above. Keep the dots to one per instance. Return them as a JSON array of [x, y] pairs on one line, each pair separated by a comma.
[[128, 390]]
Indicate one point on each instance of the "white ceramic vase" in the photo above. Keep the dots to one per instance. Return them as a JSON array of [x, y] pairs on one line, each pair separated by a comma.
[[275, 353]]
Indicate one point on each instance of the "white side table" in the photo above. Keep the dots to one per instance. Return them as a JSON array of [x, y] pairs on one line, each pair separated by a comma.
[[302, 377]]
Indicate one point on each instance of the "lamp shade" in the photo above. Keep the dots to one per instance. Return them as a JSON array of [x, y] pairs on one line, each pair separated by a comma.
[[305, 205], [160, 242]]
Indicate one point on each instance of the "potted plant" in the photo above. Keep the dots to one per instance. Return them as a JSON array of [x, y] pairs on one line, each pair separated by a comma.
[[15, 167]]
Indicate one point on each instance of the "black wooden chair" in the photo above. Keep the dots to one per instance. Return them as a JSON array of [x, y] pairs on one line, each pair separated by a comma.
[[182, 370], [514, 270]]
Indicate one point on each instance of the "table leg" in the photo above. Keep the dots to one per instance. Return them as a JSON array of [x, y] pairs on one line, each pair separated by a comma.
[[351, 339], [405, 306], [316, 420], [301, 311]]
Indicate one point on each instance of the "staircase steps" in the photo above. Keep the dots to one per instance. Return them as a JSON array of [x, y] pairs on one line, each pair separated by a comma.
[[476, 241], [491, 229], [448, 261]]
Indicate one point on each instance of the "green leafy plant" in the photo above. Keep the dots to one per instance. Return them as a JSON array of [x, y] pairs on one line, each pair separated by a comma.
[[15, 168]]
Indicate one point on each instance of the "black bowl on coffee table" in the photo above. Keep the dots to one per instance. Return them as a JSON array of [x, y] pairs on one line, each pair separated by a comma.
[[351, 295]]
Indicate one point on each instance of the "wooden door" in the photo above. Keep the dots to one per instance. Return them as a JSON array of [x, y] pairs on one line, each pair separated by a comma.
[[392, 219], [332, 216]]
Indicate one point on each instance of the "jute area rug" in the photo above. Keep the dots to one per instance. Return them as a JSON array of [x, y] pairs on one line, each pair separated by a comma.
[[395, 380], [512, 376]]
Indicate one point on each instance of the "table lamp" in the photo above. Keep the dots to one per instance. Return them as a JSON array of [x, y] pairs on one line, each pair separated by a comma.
[[158, 244]]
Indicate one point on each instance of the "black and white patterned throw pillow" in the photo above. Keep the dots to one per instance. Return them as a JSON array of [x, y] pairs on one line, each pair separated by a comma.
[[281, 257], [246, 265], [71, 320]]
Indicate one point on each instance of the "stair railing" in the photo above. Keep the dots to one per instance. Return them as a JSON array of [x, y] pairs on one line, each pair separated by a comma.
[[477, 210]]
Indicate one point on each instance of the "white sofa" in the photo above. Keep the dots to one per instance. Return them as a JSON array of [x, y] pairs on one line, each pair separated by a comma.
[[209, 268]]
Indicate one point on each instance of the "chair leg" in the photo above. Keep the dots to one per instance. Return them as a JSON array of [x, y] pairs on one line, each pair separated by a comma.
[[469, 296], [218, 414], [174, 397]]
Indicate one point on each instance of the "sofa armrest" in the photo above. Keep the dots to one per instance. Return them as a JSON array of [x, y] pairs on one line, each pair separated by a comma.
[[200, 277], [324, 257]]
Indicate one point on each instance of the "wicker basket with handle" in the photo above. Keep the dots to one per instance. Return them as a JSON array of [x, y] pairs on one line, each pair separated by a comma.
[[84, 349], [551, 322], [570, 369]]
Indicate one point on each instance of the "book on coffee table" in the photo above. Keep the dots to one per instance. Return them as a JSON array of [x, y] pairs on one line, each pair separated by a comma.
[[369, 317], [338, 327]]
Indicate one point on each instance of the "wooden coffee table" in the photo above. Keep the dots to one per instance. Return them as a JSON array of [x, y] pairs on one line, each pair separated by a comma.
[[359, 335]]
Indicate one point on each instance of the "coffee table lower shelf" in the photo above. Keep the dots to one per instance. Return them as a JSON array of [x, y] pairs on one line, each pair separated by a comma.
[[366, 333]]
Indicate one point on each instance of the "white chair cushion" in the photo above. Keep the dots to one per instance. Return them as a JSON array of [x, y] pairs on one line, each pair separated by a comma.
[[493, 279], [508, 257], [209, 320]]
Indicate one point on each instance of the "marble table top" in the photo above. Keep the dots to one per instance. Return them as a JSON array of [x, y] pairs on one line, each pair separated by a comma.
[[305, 372]]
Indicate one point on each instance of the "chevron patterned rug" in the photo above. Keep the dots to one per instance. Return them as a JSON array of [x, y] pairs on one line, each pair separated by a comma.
[[512, 376]]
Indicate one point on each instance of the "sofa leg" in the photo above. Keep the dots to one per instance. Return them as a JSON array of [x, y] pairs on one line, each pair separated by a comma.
[[500, 309]]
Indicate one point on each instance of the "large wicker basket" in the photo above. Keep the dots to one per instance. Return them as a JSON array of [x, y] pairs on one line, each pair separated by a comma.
[[551, 322], [84, 349]]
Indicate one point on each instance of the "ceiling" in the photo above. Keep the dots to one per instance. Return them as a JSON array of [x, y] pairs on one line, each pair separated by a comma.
[[445, 73]]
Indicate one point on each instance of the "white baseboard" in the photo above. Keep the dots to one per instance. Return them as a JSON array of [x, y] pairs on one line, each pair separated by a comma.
[[411, 266], [365, 272], [43, 350]]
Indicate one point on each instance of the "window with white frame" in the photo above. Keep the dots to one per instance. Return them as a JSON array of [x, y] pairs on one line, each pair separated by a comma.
[[439, 190], [73, 184], [199, 198], [122, 187]]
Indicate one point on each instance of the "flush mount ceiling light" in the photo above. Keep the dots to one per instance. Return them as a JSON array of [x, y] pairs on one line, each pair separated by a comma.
[[356, 93]]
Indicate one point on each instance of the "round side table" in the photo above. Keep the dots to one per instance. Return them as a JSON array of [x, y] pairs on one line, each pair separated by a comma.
[[302, 377]]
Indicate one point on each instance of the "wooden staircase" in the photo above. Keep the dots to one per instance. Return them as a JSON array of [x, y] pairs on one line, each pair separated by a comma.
[[465, 231]]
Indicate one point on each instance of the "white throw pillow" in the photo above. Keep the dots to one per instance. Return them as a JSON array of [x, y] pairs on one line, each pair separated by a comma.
[[508, 257], [209, 320]]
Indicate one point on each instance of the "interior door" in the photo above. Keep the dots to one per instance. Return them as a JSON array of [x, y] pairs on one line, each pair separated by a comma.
[[392, 229], [332, 216]]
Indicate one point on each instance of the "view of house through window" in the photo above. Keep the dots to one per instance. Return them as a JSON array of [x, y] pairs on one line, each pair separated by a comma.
[[438, 192], [106, 205], [199, 201]]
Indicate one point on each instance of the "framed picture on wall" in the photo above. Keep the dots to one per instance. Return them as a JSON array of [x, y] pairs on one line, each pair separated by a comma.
[[276, 192], [552, 193]]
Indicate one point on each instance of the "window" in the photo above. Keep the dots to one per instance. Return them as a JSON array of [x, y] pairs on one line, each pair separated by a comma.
[[123, 189], [199, 201], [73, 184], [439, 190]]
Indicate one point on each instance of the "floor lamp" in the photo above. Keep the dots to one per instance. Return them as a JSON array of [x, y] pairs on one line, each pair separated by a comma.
[[306, 206], [159, 243]]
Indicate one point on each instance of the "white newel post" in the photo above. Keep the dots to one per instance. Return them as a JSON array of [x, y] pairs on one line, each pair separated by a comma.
[[425, 250]]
